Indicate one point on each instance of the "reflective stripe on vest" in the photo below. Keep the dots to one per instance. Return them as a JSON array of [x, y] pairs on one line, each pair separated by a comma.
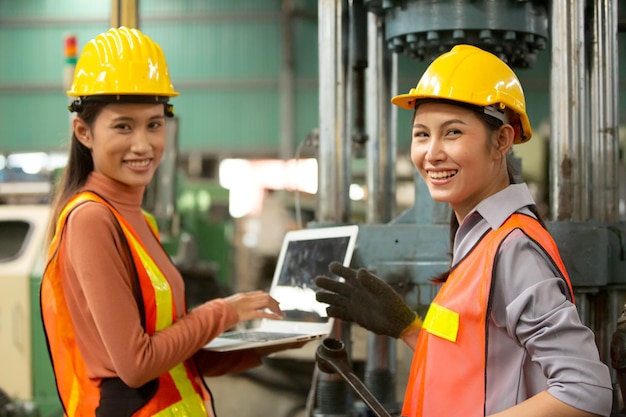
[[180, 391], [448, 373]]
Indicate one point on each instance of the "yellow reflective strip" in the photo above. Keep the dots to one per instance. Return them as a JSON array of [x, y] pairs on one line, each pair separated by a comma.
[[442, 322], [74, 397], [183, 408], [191, 404], [152, 221], [162, 290], [179, 375]]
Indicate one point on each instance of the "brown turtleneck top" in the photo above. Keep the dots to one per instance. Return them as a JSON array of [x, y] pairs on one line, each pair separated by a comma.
[[98, 285]]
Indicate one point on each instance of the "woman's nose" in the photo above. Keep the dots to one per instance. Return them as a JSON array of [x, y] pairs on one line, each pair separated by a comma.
[[434, 152], [140, 143]]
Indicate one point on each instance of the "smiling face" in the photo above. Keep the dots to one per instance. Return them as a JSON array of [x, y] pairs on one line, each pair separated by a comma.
[[461, 159], [127, 141]]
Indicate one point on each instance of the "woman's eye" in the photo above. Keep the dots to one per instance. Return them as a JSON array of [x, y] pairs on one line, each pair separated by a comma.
[[420, 136], [155, 125], [122, 126]]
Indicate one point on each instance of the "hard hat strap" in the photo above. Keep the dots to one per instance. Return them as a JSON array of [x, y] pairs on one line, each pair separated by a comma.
[[498, 112]]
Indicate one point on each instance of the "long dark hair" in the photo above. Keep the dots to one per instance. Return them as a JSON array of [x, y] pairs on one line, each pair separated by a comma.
[[79, 166]]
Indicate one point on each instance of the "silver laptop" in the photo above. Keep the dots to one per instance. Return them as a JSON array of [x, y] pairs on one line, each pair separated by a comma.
[[304, 255]]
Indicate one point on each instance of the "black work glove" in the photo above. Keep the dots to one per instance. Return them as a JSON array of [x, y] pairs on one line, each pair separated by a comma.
[[365, 299]]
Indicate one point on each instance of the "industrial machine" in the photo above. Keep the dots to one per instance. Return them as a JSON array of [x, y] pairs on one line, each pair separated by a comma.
[[359, 46], [26, 382]]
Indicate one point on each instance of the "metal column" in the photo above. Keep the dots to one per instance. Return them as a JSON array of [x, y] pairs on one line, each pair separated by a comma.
[[568, 107], [125, 13], [380, 366], [604, 113], [333, 204]]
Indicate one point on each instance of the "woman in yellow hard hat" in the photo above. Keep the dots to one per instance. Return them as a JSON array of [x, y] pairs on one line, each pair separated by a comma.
[[120, 338], [502, 336]]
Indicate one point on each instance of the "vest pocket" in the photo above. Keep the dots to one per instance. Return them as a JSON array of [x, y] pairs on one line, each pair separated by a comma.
[[119, 400]]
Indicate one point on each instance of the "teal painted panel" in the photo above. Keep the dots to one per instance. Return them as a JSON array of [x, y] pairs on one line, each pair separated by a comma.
[[306, 114], [35, 54], [169, 7], [54, 9], [227, 121], [239, 123], [34, 122], [221, 50], [305, 50]]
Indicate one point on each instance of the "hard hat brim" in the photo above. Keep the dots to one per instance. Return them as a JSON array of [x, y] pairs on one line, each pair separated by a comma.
[[405, 101], [72, 93]]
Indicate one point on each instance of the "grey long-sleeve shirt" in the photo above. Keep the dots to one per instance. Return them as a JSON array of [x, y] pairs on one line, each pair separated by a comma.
[[536, 340]]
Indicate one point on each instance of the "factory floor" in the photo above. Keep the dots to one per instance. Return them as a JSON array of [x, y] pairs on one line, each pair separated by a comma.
[[280, 387], [243, 397]]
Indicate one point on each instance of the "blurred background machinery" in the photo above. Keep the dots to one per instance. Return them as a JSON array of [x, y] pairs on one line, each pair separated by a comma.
[[269, 86]]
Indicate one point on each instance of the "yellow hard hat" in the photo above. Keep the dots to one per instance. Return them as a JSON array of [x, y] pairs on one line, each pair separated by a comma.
[[471, 75], [121, 62]]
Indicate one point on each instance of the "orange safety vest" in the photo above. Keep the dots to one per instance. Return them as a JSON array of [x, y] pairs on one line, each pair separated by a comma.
[[181, 391], [448, 373]]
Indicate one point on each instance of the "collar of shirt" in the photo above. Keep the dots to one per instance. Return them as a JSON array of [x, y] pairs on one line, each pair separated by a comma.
[[490, 214]]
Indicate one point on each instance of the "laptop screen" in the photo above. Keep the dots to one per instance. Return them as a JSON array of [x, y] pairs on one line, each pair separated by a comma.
[[303, 261]]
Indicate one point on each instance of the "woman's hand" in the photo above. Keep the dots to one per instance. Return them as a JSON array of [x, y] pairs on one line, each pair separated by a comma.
[[255, 305], [367, 300]]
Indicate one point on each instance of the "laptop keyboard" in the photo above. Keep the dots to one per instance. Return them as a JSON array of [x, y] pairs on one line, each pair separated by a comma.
[[257, 336]]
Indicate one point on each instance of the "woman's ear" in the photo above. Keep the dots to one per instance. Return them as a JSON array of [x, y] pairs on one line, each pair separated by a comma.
[[82, 132], [504, 138]]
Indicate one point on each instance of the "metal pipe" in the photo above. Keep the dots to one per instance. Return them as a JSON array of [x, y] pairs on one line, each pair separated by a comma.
[[568, 111], [381, 179], [125, 13], [381, 144], [380, 369], [604, 113], [351, 76], [332, 204], [358, 62], [334, 150]]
